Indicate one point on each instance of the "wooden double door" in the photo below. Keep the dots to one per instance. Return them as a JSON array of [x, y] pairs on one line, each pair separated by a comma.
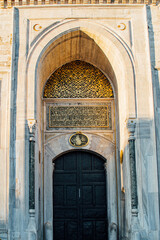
[[79, 197]]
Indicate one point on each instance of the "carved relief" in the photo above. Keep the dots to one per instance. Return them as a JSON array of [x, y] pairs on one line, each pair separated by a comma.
[[78, 140], [78, 79], [83, 116]]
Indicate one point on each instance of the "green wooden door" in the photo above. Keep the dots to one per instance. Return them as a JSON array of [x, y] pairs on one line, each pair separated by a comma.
[[79, 197]]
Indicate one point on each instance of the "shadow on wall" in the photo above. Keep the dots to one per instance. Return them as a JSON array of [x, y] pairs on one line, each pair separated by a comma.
[[155, 82], [3, 230], [137, 182]]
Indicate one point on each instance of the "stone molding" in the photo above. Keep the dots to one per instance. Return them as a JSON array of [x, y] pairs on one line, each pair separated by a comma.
[[10, 4]]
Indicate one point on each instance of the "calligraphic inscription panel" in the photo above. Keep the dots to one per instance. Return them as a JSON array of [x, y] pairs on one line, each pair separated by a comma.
[[84, 116]]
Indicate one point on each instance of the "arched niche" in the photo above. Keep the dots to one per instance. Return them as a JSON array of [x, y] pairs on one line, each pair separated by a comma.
[[93, 43]]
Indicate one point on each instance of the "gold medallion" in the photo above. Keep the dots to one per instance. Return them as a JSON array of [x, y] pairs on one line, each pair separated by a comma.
[[78, 140]]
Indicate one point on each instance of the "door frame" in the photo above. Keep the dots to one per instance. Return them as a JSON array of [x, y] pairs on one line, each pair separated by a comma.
[[58, 144]]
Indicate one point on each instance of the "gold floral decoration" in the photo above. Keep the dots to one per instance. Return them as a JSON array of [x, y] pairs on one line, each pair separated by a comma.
[[78, 79]]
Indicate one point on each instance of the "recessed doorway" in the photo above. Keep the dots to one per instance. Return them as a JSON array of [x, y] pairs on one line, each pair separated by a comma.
[[79, 197]]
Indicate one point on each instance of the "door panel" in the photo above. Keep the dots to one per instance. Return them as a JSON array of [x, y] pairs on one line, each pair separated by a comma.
[[79, 198]]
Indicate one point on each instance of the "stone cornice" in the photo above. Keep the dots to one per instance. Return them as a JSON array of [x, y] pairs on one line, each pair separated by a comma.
[[41, 3]]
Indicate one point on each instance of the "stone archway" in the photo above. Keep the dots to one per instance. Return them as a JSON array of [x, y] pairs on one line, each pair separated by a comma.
[[77, 97], [108, 49]]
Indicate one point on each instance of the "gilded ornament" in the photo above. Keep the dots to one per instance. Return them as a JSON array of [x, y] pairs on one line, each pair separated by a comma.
[[122, 26], [78, 140], [37, 27], [121, 156], [78, 79]]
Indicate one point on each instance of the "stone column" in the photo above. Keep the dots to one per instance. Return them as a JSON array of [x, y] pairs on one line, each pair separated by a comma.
[[32, 232], [133, 176], [48, 229], [112, 231]]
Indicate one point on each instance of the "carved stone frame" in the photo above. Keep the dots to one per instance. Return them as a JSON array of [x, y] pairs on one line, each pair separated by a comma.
[[59, 144]]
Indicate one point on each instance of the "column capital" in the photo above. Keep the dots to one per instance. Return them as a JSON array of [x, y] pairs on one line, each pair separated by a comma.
[[32, 128], [131, 125]]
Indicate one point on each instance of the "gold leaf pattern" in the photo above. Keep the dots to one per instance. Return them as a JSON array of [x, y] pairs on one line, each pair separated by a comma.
[[78, 79]]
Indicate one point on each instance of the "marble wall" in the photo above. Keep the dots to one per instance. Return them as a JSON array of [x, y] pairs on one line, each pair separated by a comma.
[[123, 42], [5, 108]]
